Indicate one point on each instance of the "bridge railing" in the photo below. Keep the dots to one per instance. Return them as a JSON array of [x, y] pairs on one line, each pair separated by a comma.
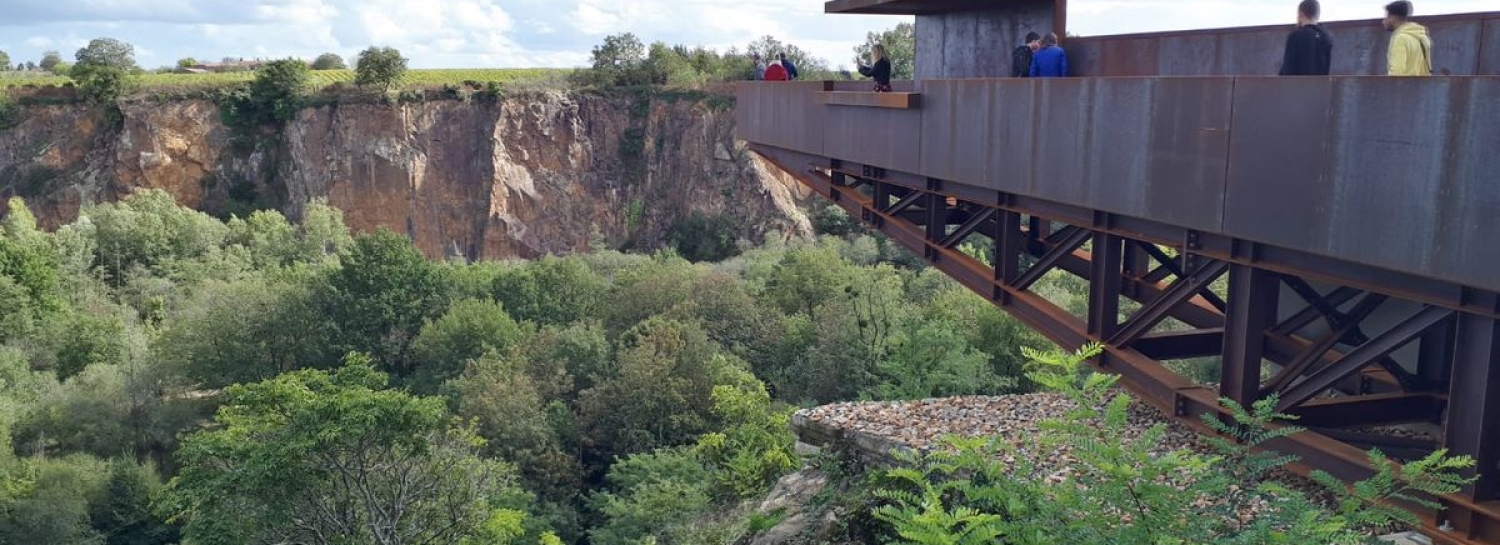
[[1401, 174]]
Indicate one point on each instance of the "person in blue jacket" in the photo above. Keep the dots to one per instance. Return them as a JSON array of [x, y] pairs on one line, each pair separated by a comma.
[[1050, 61], [791, 69]]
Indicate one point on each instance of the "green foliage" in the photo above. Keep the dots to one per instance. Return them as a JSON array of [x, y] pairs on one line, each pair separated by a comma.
[[661, 393], [334, 456], [105, 70], [46, 500], [900, 46], [50, 60], [550, 291], [704, 237], [187, 62], [505, 404], [768, 47], [380, 297], [279, 89], [122, 511], [329, 61], [380, 67], [4, 61], [147, 232], [966, 493], [756, 447], [469, 329], [649, 494]]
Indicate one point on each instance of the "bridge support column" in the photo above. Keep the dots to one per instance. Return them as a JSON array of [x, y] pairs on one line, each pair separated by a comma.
[[1104, 285], [1473, 426], [1253, 296]]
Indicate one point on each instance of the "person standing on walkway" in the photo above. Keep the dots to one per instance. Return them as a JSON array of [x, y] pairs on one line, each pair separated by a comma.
[[879, 69], [1050, 61], [791, 69], [1309, 49], [776, 72], [1020, 59], [1411, 47], [760, 67]]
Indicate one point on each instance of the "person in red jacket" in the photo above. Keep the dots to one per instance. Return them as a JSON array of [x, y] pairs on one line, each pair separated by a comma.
[[776, 72]]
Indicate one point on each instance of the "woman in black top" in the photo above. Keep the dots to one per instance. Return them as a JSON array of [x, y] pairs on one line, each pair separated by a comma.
[[880, 71]]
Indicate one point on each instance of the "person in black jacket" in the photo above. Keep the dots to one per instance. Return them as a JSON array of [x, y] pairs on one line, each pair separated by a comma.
[[879, 70], [1309, 49], [1020, 59]]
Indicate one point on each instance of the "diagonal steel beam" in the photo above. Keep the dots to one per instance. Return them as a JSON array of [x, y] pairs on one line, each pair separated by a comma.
[[968, 228], [1160, 308], [1314, 353], [1404, 332], [1308, 315], [1319, 303], [1065, 248]]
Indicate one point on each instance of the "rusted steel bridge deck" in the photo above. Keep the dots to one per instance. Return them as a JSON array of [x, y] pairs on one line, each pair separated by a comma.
[[1356, 218]]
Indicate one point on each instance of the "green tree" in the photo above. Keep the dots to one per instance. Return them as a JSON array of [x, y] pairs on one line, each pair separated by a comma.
[[104, 70], [619, 61], [768, 47], [279, 89], [500, 397], [329, 61], [704, 237], [555, 291], [147, 232], [900, 45], [380, 297], [46, 500], [50, 60], [4, 60], [334, 457], [649, 493], [187, 62], [380, 67], [468, 330], [122, 510], [662, 393], [243, 331], [756, 446]]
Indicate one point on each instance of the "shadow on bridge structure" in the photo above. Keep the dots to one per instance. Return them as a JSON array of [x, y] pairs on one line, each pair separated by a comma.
[[1332, 241]]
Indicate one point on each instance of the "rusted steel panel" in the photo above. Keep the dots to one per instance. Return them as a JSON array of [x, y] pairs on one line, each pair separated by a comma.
[[1189, 152], [1460, 48], [1489, 48], [1467, 240], [1061, 137], [1390, 174], [958, 151], [880, 137], [782, 114], [1278, 190], [976, 43]]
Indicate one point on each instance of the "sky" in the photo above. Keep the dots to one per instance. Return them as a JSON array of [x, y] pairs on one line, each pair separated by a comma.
[[548, 33]]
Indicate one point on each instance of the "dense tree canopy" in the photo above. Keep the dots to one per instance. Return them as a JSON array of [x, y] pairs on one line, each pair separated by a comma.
[[380, 67]]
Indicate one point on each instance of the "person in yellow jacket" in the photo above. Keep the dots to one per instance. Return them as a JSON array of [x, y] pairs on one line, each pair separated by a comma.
[[1411, 47]]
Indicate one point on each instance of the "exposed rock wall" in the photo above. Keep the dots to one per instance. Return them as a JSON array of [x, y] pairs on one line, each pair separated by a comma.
[[522, 176]]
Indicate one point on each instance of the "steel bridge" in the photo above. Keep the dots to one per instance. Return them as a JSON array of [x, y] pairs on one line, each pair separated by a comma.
[[1356, 219]]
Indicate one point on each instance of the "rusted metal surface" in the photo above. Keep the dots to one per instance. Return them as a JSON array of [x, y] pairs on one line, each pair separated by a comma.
[[868, 99], [912, 225], [1394, 173], [781, 113], [1463, 44], [977, 42]]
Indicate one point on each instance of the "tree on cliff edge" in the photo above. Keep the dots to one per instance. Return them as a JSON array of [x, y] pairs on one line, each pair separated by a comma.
[[104, 70], [379, 66], [4, 61]]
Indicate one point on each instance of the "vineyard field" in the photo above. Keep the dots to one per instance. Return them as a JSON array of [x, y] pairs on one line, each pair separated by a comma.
[[320, 78]]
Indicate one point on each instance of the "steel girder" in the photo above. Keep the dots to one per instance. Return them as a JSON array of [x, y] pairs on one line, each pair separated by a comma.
[[1335, 388]]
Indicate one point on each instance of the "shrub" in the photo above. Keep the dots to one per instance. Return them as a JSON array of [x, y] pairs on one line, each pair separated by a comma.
[[379, 67], [279, 89], [965, 494], [329, 61], [704, 237], [105, 70]]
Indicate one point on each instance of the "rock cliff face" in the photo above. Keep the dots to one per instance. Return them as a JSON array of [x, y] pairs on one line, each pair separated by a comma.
[[522, 176]]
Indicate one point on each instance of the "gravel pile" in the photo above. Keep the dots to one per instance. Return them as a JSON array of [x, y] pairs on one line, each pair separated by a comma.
[[921, 425]]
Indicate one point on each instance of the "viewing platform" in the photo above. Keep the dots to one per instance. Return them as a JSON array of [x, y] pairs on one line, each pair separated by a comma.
[[1356, 217]]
